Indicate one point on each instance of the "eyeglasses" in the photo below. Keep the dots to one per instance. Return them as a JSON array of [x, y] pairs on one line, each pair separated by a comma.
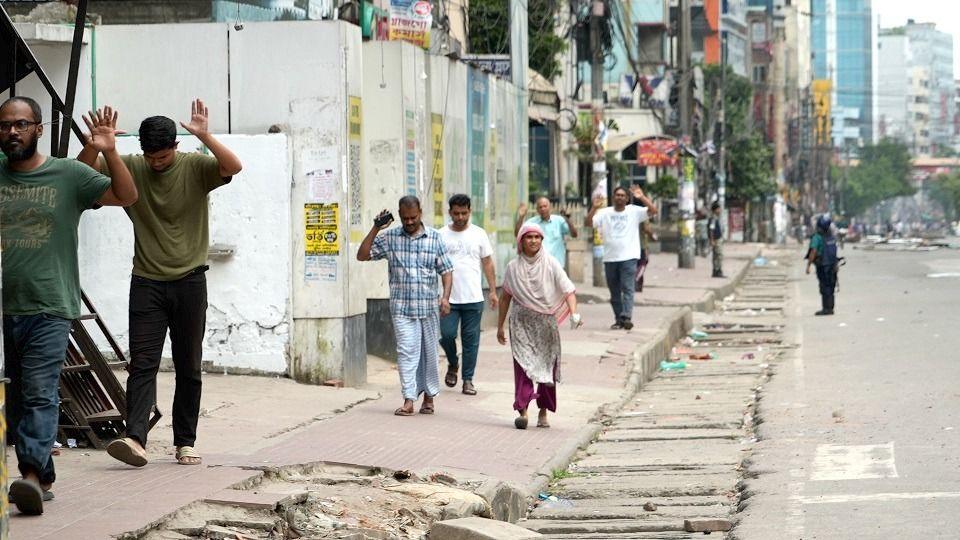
[[20, 125]]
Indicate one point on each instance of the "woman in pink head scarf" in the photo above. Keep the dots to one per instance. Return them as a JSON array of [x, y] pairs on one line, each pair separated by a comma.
[[542, 297]]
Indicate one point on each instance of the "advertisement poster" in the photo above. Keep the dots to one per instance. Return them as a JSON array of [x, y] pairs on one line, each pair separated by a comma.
[[410, 20], [321, 229], [436, 135], [477, 111], [410, 151], [354, 141]]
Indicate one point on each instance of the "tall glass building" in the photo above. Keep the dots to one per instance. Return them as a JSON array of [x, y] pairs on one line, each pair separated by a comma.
[[844, 36]]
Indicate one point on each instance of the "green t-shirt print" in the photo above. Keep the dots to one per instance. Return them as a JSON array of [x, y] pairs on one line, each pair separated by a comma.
[[170, 219], [39, 214]]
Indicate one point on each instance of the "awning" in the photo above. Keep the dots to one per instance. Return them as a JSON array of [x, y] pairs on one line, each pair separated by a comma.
[[618, 142], [544, 104]]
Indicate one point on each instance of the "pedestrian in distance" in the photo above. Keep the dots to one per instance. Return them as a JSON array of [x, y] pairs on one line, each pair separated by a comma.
[[715, 232], [619, 227], [538, 296], [702, 236], [554, 227], [823, 255], [41, 201], [468, 247], [168, 286], [415, 256]]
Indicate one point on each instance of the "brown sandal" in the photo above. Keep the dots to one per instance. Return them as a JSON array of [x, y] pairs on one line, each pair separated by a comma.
[[427, 408], [451, 378], [402, 412]]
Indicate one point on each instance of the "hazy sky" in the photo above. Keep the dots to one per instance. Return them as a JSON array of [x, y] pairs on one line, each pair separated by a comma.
[[946, 13]]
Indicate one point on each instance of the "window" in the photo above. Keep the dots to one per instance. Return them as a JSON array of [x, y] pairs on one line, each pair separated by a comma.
[[758, 32], [759, 74]]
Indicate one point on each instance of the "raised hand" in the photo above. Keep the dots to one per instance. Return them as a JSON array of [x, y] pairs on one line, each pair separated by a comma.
[[522, 211], [598, 203], [636, 191], [102, 125], [199, 119]]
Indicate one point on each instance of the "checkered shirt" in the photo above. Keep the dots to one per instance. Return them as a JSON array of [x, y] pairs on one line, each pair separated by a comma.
[[415, 262]]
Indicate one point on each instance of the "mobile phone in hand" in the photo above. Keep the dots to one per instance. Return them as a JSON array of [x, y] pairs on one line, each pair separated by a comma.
[[383, 220]]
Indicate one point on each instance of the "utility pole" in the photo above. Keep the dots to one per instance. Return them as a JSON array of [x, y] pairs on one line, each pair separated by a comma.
[[722, 119], [597, 11], [687, 188]]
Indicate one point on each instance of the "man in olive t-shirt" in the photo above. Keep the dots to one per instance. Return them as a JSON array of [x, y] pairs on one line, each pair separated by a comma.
[[41, 200], [168, 289]]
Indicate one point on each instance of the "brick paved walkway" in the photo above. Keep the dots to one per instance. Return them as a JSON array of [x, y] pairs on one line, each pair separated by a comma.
[[469, 435]]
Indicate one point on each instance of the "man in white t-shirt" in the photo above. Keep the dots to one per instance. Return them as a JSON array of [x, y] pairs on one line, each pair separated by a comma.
[[468, 246], [619, 227]]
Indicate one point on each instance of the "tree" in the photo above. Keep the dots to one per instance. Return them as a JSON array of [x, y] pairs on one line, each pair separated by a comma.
[[489, 32], [945, 190], [749, 157], [883, 173]]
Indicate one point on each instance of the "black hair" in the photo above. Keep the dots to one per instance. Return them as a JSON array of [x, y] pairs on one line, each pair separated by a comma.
[[623, 189], [157, 133], [410, 201], [715, 205], [32, 103], [460, 200]]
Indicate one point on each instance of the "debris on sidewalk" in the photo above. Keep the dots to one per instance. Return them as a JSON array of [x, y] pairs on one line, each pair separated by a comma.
[[698, 335], [666, 365], [324, 502]]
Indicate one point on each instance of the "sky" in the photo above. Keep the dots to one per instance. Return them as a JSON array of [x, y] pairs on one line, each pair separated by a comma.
[[946, 13]]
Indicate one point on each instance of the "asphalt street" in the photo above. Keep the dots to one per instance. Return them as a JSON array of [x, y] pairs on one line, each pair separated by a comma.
[[860, 433]]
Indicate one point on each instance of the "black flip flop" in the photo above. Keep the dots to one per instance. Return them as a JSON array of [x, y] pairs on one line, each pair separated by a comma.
[[28, 497]]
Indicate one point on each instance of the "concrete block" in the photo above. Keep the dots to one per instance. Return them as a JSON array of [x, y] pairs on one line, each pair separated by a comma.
[[707, 525], [475, 528], [505, 502]]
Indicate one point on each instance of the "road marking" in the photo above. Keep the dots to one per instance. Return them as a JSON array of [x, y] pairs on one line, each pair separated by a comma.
[[836, 462], [878, 497]]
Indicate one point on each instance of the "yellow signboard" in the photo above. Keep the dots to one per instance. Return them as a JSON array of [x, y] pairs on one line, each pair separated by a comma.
[[822, 89], [321, 228], [436, 133]]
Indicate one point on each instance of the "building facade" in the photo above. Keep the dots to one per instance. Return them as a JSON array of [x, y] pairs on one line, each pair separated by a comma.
[[844, 38]]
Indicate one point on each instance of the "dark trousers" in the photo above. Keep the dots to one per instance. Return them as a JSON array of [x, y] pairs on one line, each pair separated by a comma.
[[155, 306], [466, 318], [621, 280], [34, 347], [827, 277]]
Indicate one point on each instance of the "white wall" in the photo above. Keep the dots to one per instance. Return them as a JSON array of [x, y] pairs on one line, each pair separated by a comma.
[[248, 321]]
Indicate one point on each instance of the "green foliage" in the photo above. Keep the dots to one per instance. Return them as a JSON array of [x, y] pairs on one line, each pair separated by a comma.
[[539, 181], [945, 190], [665, 187], [738, 99], [490, 33], [560, 474], [751, 175], [883, 173], [749, 157], [944, 151]]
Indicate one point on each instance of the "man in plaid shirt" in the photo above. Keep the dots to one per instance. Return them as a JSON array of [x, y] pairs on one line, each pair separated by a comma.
[[415, 255]]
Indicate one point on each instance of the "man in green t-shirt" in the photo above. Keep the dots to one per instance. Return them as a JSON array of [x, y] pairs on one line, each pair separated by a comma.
[[168, 289], [41, 200]]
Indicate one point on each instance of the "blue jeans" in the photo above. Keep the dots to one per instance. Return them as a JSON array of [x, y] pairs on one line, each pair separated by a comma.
[[466, 317], [34, 348], [621, 280]]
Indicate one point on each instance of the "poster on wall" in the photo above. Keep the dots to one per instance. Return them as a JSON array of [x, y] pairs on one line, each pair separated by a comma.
[[477, 111], [410, 20], [321, 226], [354, 142], [410, 151], [436, 179]]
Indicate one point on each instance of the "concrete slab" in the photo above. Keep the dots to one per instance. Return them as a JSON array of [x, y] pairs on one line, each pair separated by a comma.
[[475, 528], [632, 435], [653, 484]]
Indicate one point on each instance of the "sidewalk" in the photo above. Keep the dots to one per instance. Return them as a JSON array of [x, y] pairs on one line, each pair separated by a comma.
[[253, 422]]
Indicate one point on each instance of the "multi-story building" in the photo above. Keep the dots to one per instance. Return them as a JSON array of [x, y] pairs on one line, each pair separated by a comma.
[[844, 38], [933, 49], [919, 137], [918, 101], [895, 59]]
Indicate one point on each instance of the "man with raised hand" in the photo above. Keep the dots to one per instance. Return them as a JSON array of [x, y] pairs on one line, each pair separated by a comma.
[[168, 289], [41, 200]]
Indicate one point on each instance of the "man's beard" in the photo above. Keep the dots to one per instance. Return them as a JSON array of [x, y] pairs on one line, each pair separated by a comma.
[[22, 153]]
